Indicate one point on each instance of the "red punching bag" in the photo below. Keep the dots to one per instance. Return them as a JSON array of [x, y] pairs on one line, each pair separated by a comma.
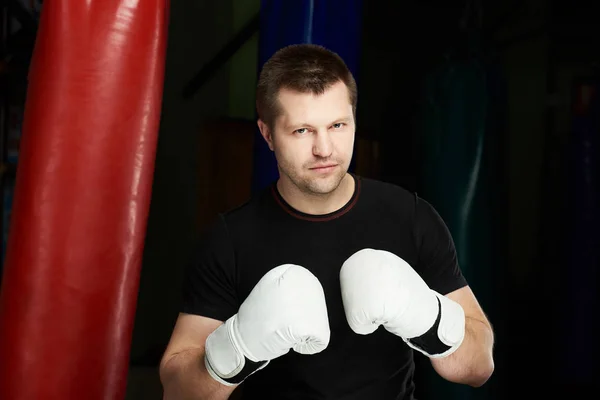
[[82, 196]]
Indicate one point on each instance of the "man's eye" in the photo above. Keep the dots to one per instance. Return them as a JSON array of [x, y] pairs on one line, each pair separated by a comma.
[[301, 131], [338, 125]]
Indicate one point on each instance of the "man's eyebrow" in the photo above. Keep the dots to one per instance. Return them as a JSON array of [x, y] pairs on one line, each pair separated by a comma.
[[343, 119], [307, 125], [298, 125]]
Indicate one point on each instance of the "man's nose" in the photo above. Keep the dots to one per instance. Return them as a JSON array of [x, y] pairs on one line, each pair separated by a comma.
[[322, 146]]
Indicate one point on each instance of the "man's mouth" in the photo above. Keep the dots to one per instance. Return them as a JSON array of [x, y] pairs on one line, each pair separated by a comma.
[[323, 166]]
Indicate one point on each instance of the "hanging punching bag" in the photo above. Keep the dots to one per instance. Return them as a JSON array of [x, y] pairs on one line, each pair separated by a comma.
[[283, 23], [457, 180], [82, 195], [580, 299]]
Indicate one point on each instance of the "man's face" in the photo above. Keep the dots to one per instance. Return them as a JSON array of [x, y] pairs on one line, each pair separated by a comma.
[[313, 138]]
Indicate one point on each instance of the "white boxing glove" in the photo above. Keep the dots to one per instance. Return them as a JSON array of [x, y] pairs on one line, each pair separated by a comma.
[[379, 288], [285, 310]]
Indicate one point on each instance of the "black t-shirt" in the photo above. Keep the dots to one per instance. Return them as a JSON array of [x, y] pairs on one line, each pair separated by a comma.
[[265, 232]]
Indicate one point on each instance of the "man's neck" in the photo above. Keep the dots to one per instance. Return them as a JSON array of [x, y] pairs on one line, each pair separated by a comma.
[[315, 204]]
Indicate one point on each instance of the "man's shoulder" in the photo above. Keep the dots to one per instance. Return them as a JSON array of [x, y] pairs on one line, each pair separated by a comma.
[[248, 210], [387, 192]]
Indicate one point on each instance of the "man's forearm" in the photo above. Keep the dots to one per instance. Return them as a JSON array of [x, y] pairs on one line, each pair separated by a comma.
[[472, 363], [185, 377]]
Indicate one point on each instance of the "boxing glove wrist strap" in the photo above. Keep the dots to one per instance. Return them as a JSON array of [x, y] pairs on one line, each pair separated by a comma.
[[248, 369], [446, 334], [224, 359]]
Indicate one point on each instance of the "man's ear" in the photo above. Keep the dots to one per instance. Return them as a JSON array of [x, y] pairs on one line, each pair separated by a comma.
[[266, 133]]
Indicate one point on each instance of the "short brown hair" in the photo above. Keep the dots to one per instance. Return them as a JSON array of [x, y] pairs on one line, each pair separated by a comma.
[[305, 68]]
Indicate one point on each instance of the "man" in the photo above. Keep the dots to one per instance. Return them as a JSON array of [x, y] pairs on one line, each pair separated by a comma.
[[325, 284]]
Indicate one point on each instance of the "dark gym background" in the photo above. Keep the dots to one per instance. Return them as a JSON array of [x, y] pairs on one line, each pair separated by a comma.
[[539, 49]]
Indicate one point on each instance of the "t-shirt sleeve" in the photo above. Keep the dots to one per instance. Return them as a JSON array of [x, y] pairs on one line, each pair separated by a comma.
[[438, 261], [209, 279]]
